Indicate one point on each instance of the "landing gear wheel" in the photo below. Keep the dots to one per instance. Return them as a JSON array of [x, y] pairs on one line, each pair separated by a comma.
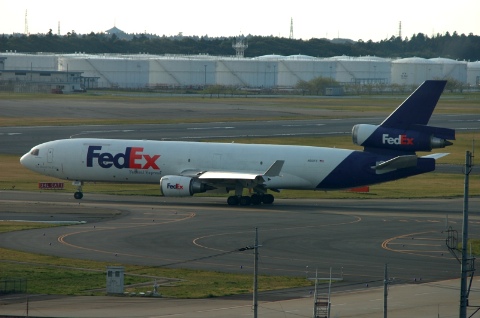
[[232, 200], [268, 199], [78, 195], [256, 199], [244, 200]]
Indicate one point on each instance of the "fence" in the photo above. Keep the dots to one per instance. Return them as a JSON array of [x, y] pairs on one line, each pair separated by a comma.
[[13, 286]]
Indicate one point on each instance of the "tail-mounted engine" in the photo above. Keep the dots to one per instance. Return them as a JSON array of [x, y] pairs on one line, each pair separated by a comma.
[[416, 138], [179, 186]]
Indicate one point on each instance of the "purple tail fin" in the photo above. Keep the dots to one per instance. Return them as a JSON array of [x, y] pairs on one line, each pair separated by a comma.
[[418, 107]]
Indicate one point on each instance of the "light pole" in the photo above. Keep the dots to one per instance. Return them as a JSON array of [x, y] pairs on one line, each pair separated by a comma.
[[465, 264], [255, 276]]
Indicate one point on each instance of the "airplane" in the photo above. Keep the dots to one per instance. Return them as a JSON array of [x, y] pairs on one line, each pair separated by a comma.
[[186, 168]]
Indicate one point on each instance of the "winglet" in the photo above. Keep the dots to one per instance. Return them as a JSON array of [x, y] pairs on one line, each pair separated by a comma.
[[275, 168]]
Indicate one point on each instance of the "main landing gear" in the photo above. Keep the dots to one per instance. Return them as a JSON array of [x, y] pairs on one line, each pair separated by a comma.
[[255, 199], [79, 194]]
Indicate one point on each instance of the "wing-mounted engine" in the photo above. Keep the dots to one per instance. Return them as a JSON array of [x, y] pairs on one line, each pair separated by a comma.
[[415, 138], [179, 186]]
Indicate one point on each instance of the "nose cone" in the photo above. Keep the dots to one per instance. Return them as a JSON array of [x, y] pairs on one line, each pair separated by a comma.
[[27, 160], [23, 159]]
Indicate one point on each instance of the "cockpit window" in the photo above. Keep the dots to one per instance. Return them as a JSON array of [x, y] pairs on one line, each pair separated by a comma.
[[35, 152]]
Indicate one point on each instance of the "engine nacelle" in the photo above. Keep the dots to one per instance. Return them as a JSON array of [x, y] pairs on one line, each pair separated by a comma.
[[424, 139], [179, 186]]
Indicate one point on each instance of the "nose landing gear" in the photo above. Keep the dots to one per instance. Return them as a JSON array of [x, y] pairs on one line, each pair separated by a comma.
[[79, 194]]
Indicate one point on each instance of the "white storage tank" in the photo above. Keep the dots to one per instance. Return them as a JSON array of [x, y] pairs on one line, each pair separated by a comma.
[[113, 71], [297, 68], [362, 70], [452, 69], [473, 74], [181, 71], [30, 62], [246, 72], [415, 70]]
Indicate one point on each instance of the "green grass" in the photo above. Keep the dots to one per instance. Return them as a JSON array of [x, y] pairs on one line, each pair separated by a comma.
[[475, 244], [68, 279]]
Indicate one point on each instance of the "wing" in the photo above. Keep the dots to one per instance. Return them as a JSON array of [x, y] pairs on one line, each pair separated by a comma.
[[273, 171], [231, 178]]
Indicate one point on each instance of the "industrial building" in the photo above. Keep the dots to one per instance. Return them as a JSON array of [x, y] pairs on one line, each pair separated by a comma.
[[270, 71], [44, 78]]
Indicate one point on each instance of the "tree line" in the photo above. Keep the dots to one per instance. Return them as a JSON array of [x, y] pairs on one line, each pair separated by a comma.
[[454, 46]]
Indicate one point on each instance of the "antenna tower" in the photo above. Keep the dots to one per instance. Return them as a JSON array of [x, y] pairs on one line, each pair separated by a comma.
[[291, 29], [26, 23], [400, 29], [240, 47], [58, 28]]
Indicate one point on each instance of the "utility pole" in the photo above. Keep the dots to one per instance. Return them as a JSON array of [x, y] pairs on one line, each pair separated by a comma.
[[385, 292], [26, 24], [291, 29], [467, 263], [315, 294], [255, 276], [465, 266]]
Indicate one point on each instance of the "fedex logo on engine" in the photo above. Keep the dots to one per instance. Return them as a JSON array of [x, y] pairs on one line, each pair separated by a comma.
[[400, 140], [175, 186], [132, 158]]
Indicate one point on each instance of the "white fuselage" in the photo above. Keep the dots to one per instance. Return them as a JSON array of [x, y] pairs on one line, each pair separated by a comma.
[[143, 161]]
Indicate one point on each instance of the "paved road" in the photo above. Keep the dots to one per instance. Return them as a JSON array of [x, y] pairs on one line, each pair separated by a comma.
[[354, 237], [413, 300], [18, 140]]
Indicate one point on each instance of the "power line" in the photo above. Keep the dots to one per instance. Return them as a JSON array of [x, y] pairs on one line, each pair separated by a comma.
[[207, 257]]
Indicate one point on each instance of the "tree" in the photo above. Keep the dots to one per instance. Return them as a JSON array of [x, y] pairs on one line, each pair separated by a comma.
[[317, 85], [454, 85]]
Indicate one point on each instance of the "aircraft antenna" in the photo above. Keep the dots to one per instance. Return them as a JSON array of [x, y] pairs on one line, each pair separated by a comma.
[[291, 29]]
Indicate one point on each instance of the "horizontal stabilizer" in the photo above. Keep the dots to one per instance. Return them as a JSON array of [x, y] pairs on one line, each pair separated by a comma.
[[436, 155], [397, 163]]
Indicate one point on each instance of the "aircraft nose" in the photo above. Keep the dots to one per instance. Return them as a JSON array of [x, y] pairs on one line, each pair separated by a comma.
[[23, 159], [26, 160]]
